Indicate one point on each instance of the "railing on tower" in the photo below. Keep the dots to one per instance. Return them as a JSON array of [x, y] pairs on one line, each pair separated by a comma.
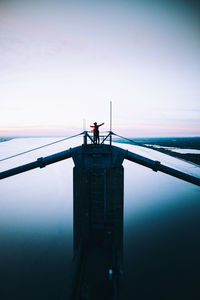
[[89, 136]]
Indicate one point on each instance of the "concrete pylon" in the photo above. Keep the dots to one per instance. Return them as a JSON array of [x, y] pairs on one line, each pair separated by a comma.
[[98, 183]]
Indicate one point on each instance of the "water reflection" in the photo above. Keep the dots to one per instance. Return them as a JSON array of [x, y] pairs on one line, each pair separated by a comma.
[[161, 226]]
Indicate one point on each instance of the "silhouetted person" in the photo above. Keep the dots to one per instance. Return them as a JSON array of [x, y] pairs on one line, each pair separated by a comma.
[[95, 128]]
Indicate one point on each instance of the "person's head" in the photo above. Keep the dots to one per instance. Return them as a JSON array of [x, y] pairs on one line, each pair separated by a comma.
[[95, 123]]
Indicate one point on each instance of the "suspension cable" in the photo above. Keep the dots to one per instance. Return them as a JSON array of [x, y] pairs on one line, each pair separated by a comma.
[[21, 153], [133, 142]]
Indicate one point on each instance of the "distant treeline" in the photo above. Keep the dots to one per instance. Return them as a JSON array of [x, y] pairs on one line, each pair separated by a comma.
[[176, 142], [195, 158], [184, 143]]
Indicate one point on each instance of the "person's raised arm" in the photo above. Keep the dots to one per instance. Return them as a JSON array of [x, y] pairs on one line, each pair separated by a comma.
[[101, 124]]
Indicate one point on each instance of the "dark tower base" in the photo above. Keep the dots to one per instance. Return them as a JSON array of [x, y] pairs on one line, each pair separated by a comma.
[[98, 223]]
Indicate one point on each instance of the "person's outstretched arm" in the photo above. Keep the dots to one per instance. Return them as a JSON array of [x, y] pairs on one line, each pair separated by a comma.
[[101, 124]]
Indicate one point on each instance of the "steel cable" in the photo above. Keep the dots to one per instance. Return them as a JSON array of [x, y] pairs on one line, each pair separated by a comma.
[[46, 145], [134, 142]]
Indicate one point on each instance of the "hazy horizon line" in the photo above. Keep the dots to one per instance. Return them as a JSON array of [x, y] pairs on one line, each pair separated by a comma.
[[128, 136]]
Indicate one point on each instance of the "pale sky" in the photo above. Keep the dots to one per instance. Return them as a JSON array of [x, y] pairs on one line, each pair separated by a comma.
[[62, 61]]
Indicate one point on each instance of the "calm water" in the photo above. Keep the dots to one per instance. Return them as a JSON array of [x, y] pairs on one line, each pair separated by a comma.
[[161, 228]]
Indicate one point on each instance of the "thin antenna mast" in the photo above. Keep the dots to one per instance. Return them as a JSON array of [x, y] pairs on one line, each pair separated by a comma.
[[110, 122], [84, 124], [85, 132]]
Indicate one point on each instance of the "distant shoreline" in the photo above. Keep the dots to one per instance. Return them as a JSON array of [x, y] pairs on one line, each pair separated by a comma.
[[194, 158], [5, 139], [181, 143]]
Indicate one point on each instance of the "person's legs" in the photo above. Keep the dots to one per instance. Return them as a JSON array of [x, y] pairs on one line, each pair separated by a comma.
[[98, 140], [95, 138]]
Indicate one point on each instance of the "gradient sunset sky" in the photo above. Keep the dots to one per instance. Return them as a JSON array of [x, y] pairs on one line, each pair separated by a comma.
[[62, 61]]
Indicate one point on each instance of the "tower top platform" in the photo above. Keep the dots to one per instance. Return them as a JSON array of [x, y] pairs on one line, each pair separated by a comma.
[[97, 156]]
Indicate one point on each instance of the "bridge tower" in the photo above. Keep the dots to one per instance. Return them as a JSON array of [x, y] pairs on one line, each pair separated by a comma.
[[98, 187]]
